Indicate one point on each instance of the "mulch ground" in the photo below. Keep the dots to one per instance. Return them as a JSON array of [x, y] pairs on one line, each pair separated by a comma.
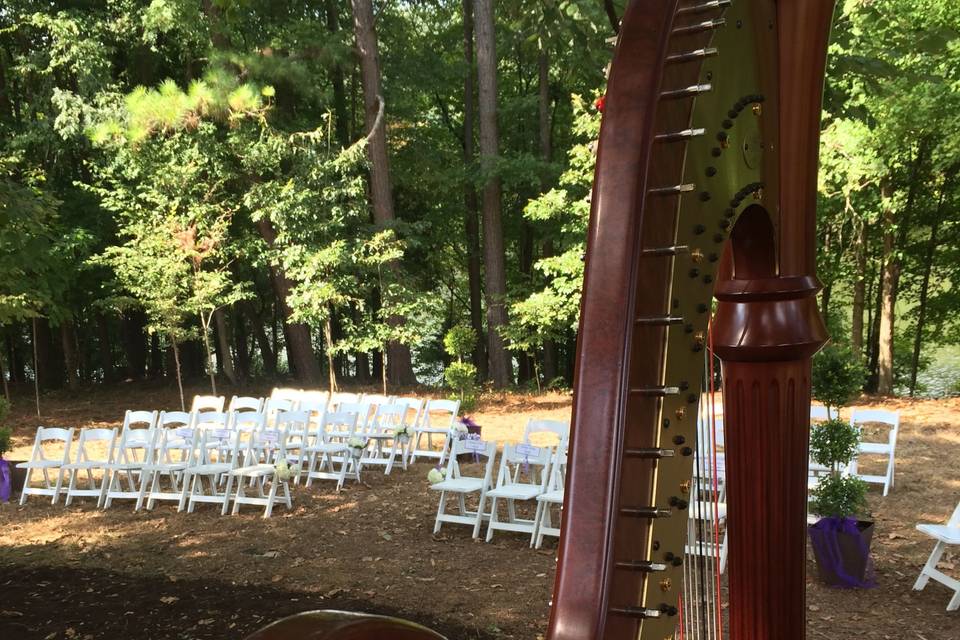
[[79, 573]]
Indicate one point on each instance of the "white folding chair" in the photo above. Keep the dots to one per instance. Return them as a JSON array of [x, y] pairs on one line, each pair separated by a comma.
[[537, 428], [706, 519], [886, 449], [553, 496], [172, 451], [92, 454], [436, 419], [362, 409], [375, 400], [245, 403], [460, 485], [207, 403], [273, 406], [265, 450], [340, 398], [127, 459], [295, 426], [945, 535], [47, 461], [215, 454], [314, 397], [522, 477], [329, 447], [286, 393]]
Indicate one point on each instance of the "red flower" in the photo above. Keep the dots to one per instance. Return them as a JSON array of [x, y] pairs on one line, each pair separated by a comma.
[[601, 103]]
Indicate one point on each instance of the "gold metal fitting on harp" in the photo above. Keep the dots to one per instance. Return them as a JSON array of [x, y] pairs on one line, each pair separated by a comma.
[[681, 412], [758, 109], [758, 194], [700, 338], [685, 487], [697, 256], [666, 584]]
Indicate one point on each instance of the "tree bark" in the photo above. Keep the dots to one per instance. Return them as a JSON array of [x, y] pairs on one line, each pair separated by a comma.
[[612, 15], [242, 366], [859, 291], [471, 203], [135, 344], [68, 342], [303, 361], [381, 191], [493, 249], [267, 353], [223, 339], [546, 156], [342, 124]]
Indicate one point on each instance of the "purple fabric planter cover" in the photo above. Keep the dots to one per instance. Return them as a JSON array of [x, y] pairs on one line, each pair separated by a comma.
[[6, 476], [843, 552]]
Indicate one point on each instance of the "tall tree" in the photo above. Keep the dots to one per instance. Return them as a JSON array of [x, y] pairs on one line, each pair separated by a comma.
[[400, 365], [493, 246]]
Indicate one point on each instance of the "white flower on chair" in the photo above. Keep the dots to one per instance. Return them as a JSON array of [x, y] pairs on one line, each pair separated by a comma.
[[436, 475], [459, 430], [402, 433], [356, 446], [286, 471]]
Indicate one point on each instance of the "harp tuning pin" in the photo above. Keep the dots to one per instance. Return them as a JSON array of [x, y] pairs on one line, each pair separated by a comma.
[[665, 585], [685, 487], [697, 256]]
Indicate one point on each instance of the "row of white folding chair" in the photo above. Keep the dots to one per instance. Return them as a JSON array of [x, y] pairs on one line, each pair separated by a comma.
[[524, 475], [437, 419], [946, 536], [50, 453], [552, 497]]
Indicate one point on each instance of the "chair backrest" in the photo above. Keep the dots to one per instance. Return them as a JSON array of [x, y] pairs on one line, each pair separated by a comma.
[[478, 448], [274, 405], [245, 403], [376, 400], [440, 414], [537, 427], [209, 420], [877, 416], [286, 393], [339, 398], [248, 421], [558, 468], [48, 435], [293, 421], [819, 413], [87, 451], [362, 409], [388, 417], [955, 518], [338, 425], [174, 419], [139, 420], [207, 403], [316, 397], [525, 460], [412, 405]]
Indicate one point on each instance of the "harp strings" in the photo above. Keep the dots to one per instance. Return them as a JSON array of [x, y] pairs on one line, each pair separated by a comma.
[[701, 606]]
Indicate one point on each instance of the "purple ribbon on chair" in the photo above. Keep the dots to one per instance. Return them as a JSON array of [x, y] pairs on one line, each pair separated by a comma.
[[825, 537], [5, 478]]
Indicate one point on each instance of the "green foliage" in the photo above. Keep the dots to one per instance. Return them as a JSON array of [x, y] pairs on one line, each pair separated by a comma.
[[5, 434], [462, 377], [839, 497], [460, 341], [834, 443], [838, 376]]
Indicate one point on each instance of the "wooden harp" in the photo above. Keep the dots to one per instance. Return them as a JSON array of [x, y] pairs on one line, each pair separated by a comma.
[[705, 188]]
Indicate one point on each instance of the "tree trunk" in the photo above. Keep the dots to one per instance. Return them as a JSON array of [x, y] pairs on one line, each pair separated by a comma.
[[546, 156], [493, 249], [48, 356], [3, 376], [932, 245], [135, 344], [331, 365], [241, 344], [223, 339], [381, 192], [471, 204], [888, 303], [155, 369], [267, 353], [859, 291], [36, 367], [612, 15], [68, 341], [303, 362], [176, 360], [342, 124]]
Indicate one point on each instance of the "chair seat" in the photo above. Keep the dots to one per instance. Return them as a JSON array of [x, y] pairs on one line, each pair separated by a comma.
[[255, 471], [40, 464], [124, 466], [166, 466], [209, 469], [554, 497], [329, 447], [459, 485], [515, 491], [87, 464], [942, 532]]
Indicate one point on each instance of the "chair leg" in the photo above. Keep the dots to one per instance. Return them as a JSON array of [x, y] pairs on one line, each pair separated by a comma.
[[440, 509], [71, 487], [954, 604], [493, 519], [26, 485], [479, 521], [931, 564], [59, 485], [268, 511], [226, 494]]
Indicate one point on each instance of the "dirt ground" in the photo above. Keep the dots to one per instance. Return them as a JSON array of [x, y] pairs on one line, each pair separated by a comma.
[[79, 573]]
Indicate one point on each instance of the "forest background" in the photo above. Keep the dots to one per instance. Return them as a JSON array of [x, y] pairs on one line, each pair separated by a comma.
[[325, 190]]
